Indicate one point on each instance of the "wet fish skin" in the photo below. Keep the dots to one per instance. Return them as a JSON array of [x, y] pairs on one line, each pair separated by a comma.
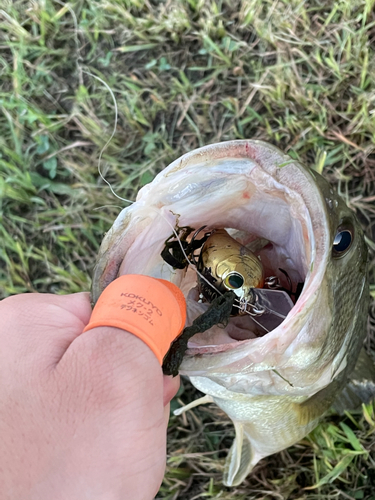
[[277, 387]]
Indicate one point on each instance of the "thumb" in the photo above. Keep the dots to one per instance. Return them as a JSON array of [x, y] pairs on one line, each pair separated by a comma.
[[152, 309], [113, 383], [112, 368]]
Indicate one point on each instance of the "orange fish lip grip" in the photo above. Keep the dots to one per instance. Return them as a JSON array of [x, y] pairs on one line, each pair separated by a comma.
[[152, 309]]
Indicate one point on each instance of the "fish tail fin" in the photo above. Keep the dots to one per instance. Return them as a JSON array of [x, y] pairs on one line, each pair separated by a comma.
[[240, 459], [360, 387]]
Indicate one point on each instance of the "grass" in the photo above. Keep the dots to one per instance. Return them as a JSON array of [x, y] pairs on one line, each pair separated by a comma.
[[184, 74]]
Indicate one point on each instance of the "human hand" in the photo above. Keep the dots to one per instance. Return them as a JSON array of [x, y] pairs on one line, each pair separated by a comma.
[[82, 415]]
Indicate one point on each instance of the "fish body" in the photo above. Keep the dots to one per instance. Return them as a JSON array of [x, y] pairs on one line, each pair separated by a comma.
[[274, 387]]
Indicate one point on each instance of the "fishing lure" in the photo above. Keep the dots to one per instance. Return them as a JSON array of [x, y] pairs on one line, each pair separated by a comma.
[[227, 265], [224, 265]]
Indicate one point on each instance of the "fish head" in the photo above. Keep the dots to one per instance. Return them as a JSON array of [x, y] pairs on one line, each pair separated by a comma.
[[345, 280], [256, 192], [275, 386]]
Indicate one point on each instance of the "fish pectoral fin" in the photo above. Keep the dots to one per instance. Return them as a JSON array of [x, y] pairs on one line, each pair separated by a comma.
[[193, 404], [314, 407], [239, 460], [360, 387]]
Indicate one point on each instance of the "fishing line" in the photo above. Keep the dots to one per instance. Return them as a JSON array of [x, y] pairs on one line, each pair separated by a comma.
[[108, 206], [252, 317], [80, 72], [275, 313], [110, 138], [130, 201], [190, 264], [259, 324]]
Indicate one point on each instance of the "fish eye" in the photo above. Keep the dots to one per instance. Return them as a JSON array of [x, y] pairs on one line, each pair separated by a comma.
[[343, 240], [233, 281]]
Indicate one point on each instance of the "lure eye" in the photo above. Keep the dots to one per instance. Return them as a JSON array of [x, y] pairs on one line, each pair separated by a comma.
[[343, 241], [234, 281]]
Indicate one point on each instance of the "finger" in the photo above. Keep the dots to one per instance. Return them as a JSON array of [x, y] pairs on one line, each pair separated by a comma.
[[78, 304], [171, 386], [167, 413], [106, 357], [41, 325], [110, 370], [112, 378]]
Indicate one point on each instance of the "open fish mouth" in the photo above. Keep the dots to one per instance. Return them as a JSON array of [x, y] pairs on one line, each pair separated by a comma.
[[265, 201], [275, 226], [275, 372]]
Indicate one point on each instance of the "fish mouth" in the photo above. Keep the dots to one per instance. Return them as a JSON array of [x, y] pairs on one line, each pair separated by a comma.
[[273, 222], [266, 201]]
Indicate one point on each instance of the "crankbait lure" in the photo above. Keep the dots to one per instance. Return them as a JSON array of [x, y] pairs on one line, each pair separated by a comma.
[[224, 265], [227, 265]]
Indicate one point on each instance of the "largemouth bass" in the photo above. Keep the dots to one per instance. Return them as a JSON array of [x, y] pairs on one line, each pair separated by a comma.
[[275, 385]]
